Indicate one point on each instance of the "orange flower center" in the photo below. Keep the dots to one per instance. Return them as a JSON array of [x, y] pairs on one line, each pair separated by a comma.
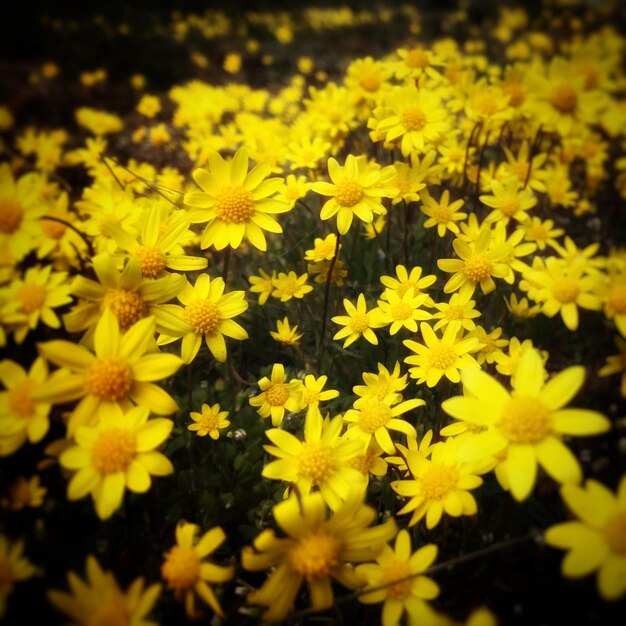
[[113, 451], [152, 261], [478, 267], [617, 299], [442, 214], [234, 204], [54, 230], [615, 532], [401, 311], [363, 464], [416, 59], [565, 290], [203, 317], [277, 394], [31, 297], [348, 193], [438, 481], [370, 82], [413, 118], [516, 94], [394, 571], [316, 555], [486, 105], [109, 378], [563, 97], [454, 313], [181, 568], [442, 357], [316, 462], [525, 420], [20, 402], [374, 416], [11, 214], [359, 322], [127, 306], [509, 205]]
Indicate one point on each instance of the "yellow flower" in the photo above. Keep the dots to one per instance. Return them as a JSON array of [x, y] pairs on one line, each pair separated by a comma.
[[410, 178], [277, 395], [149, 105], [312, 393], [25, 492], [97, 121], [14, 566], [358, 323], [489, 344], [521, 308], [288, 286], [612, 293], [263, 284], [438, 357], [458, 312], [442, 214], [316, 548], [437, 485], [115, 454], [356, 190], [403, 311], [22, 417], [319, 462], [383, 385], [527, 423], [596, 541], [209, 422], [207, 313], [187, 570], [411, 590], [323, 249], [285, 334], [406, 280], [510, 200], [121, 370], [235, 203], [99, 599]]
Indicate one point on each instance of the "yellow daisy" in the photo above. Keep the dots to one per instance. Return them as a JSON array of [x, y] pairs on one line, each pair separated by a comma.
[[277, 395], [288, 286], [358, 323], [209, 422], [285, 333], [14, 566], [403, 311]]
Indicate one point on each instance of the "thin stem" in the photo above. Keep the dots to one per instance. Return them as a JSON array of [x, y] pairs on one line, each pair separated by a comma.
[[329, 277], [73, 228], [478, 126], [115, 178]]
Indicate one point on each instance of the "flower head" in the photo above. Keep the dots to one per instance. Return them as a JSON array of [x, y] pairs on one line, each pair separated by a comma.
[[209, 422]]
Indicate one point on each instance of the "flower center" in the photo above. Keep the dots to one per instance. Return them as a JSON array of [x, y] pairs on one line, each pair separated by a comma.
[[290, 285], [234, 204], [516, 94], [442, 214], [54, 230], [416, 58], [539, 232], [202, 316], [438, 481], [565, 290], [181, 568], [486, 105], [316, 555], [152, 261], [509, 206], [363, 464], [374, 416], [525, 420], [31, 297], [127, 306], [442, 357], [401, 311], [413, 118], [403, 287], [208, 421], [403, 184], [370, 82], [615, 532], [617, 299], [348, 193], [454, 313], [478, 267], [359, 322], [113, 451], [277, 394], [564, 98], [20, 402], [114, 613], [109, 378], [317, 462], [394, 571], [310, 396], [11, 214]]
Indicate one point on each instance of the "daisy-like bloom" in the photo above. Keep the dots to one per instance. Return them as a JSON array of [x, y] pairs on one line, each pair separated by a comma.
[[127, 294], [367, 79], [410, 178], [381, 385], [99, 599], [320, 462], [263, 284], [370, 462], [277, 395], [307, 152], [439, 357], [415, 118], [520, 307], [121, 372], [411, 590], [22, 418], [562, 287], [188, 572], [316, 549], [541, 232], [356, 189], [458, 312], [288, 286], [612, 293], [235, 203], [439, 484], [31, 299], [526, 425], [375, 418], [489, 344], [209, 422], [285, 333], [509, 200], [119, 452], [408, 279], [403, 311], [358, 323], [596, 541], [528, 171], [158, 249], [295, 188], [323, 249], [416, 62], [313, 392], [616, 363], [442, 213], [25, 492], [14, 566], [207, 314], [506, 364]]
